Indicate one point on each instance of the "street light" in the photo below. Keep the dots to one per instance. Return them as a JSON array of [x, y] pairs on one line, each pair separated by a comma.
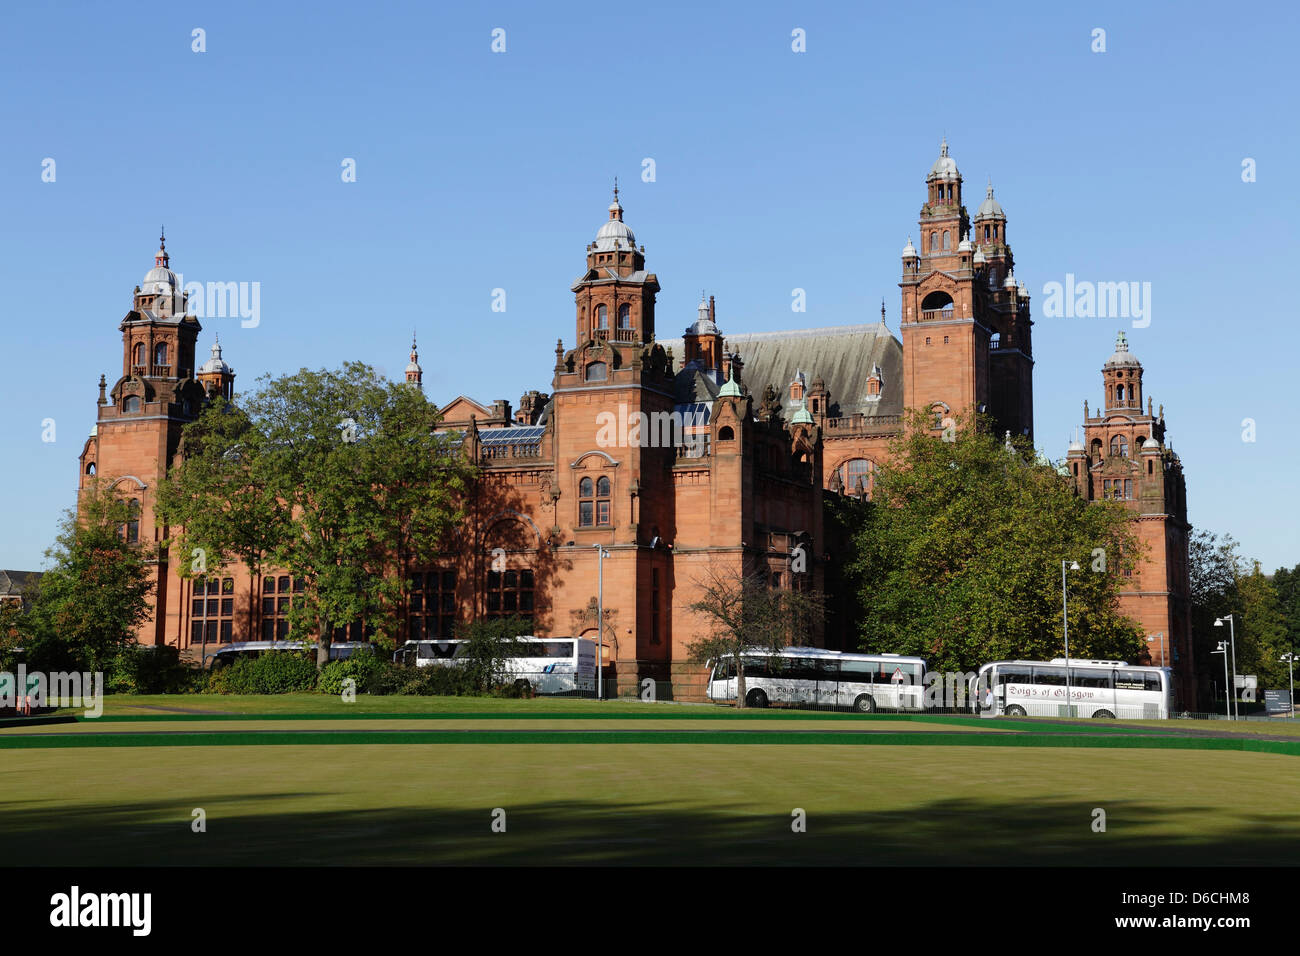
[[1232, 634], [1223, 649], [1291, 680], [601, 555], [1065, 627], [1161, 635]]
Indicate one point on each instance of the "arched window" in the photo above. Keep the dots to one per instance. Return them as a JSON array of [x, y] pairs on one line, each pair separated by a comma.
[[602, 317], [1096, 448], [139, 353], [726, 434], [160, 354], [946, 234], [1118, 446], [937, 301], [597, 372], [593, 502], [934, 241], [857, 477], [1119, 393], [986, 232], [90, 469], [625, 316]]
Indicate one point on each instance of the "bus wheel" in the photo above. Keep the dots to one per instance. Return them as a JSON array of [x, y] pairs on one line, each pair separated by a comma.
[[1015, 711], [1106, 714], [756, 698], [864, 704]]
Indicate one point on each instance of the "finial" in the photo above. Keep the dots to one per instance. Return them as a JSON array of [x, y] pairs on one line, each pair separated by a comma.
[[615, 189], [943, 146], [882, 311], [990, 192], [162, 237]]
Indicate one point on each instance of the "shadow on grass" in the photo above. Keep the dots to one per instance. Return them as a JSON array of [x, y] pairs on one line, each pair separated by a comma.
[[943, 832]]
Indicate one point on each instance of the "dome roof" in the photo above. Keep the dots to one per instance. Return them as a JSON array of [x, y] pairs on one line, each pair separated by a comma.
[[615, 235], [1150, 445], [1076, 445], [1122, 356], [909, 250], [160, 279], [802, 417], [989, 208], [216, 363], [945, 167], [964, 245], [702, 325]]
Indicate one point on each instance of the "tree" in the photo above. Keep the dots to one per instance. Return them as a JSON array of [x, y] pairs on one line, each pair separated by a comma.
[[958, 556], [348, 479], [1287, 583], [1213, 568], [489, 645], [1261, 629], [88, 606], [222, 508], [745, 613]]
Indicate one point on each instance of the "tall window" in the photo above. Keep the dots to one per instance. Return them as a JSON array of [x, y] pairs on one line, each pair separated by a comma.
[[602, 317], [593, 502], [212, 611], [139, 353], [1119, 447], [432, 604], [278, 596], [510, 592], [160, 354], [131, 529], [625, 316]]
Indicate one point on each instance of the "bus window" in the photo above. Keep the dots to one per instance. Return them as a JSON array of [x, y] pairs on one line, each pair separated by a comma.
[[1050, 675], [1090, 677], [723, 669], [757, 667], [1013, 674], [1132, 680], [859, 672]]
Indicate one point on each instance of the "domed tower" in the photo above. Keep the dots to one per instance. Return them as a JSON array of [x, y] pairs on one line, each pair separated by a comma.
[[138, 424], [216, 377], [1122, 377], [1124, 458], [702, 342], [615, 298], [414, 374]]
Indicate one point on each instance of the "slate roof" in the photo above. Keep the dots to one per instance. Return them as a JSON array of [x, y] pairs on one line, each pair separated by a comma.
[[841, 356]]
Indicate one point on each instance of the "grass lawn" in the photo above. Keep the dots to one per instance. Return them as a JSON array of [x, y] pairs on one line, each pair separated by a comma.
[[700, 804], [423, 788]]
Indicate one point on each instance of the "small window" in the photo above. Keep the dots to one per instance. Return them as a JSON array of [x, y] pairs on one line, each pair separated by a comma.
[[726, 434], [597, 372], [131, 405]]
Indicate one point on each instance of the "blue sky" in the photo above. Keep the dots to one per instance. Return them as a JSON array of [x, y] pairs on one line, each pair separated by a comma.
[[774, 170]]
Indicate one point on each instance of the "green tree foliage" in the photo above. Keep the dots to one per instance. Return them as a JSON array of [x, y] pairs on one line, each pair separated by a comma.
[[1261, 629], [1287, 583], [341, 479], [221, 507], [89, 604], [745, 613], [489, 644], [959, 555]]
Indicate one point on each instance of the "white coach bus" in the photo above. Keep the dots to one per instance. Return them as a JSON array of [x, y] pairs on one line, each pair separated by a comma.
[[1106, 689], [549, 665], [817, 677]]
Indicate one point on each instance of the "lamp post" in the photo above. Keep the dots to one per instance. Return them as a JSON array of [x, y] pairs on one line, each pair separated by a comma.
[[1232, 640], [1065, 628], [1291, 680], [1161, 635], [1223, 649], [601, 555]]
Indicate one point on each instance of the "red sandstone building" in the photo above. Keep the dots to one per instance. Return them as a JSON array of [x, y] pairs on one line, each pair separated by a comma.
[[673, 454]]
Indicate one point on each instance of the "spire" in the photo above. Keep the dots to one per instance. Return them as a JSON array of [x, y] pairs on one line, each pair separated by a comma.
[[615, 208], [730, 389], [161, 259]]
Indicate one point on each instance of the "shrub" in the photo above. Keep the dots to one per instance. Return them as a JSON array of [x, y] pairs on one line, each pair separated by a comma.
[[278, 672], [367, 670], [143, 669]]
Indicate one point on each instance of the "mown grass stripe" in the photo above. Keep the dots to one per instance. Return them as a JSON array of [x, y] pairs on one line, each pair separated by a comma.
[[1019, 725], [761, 738]]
